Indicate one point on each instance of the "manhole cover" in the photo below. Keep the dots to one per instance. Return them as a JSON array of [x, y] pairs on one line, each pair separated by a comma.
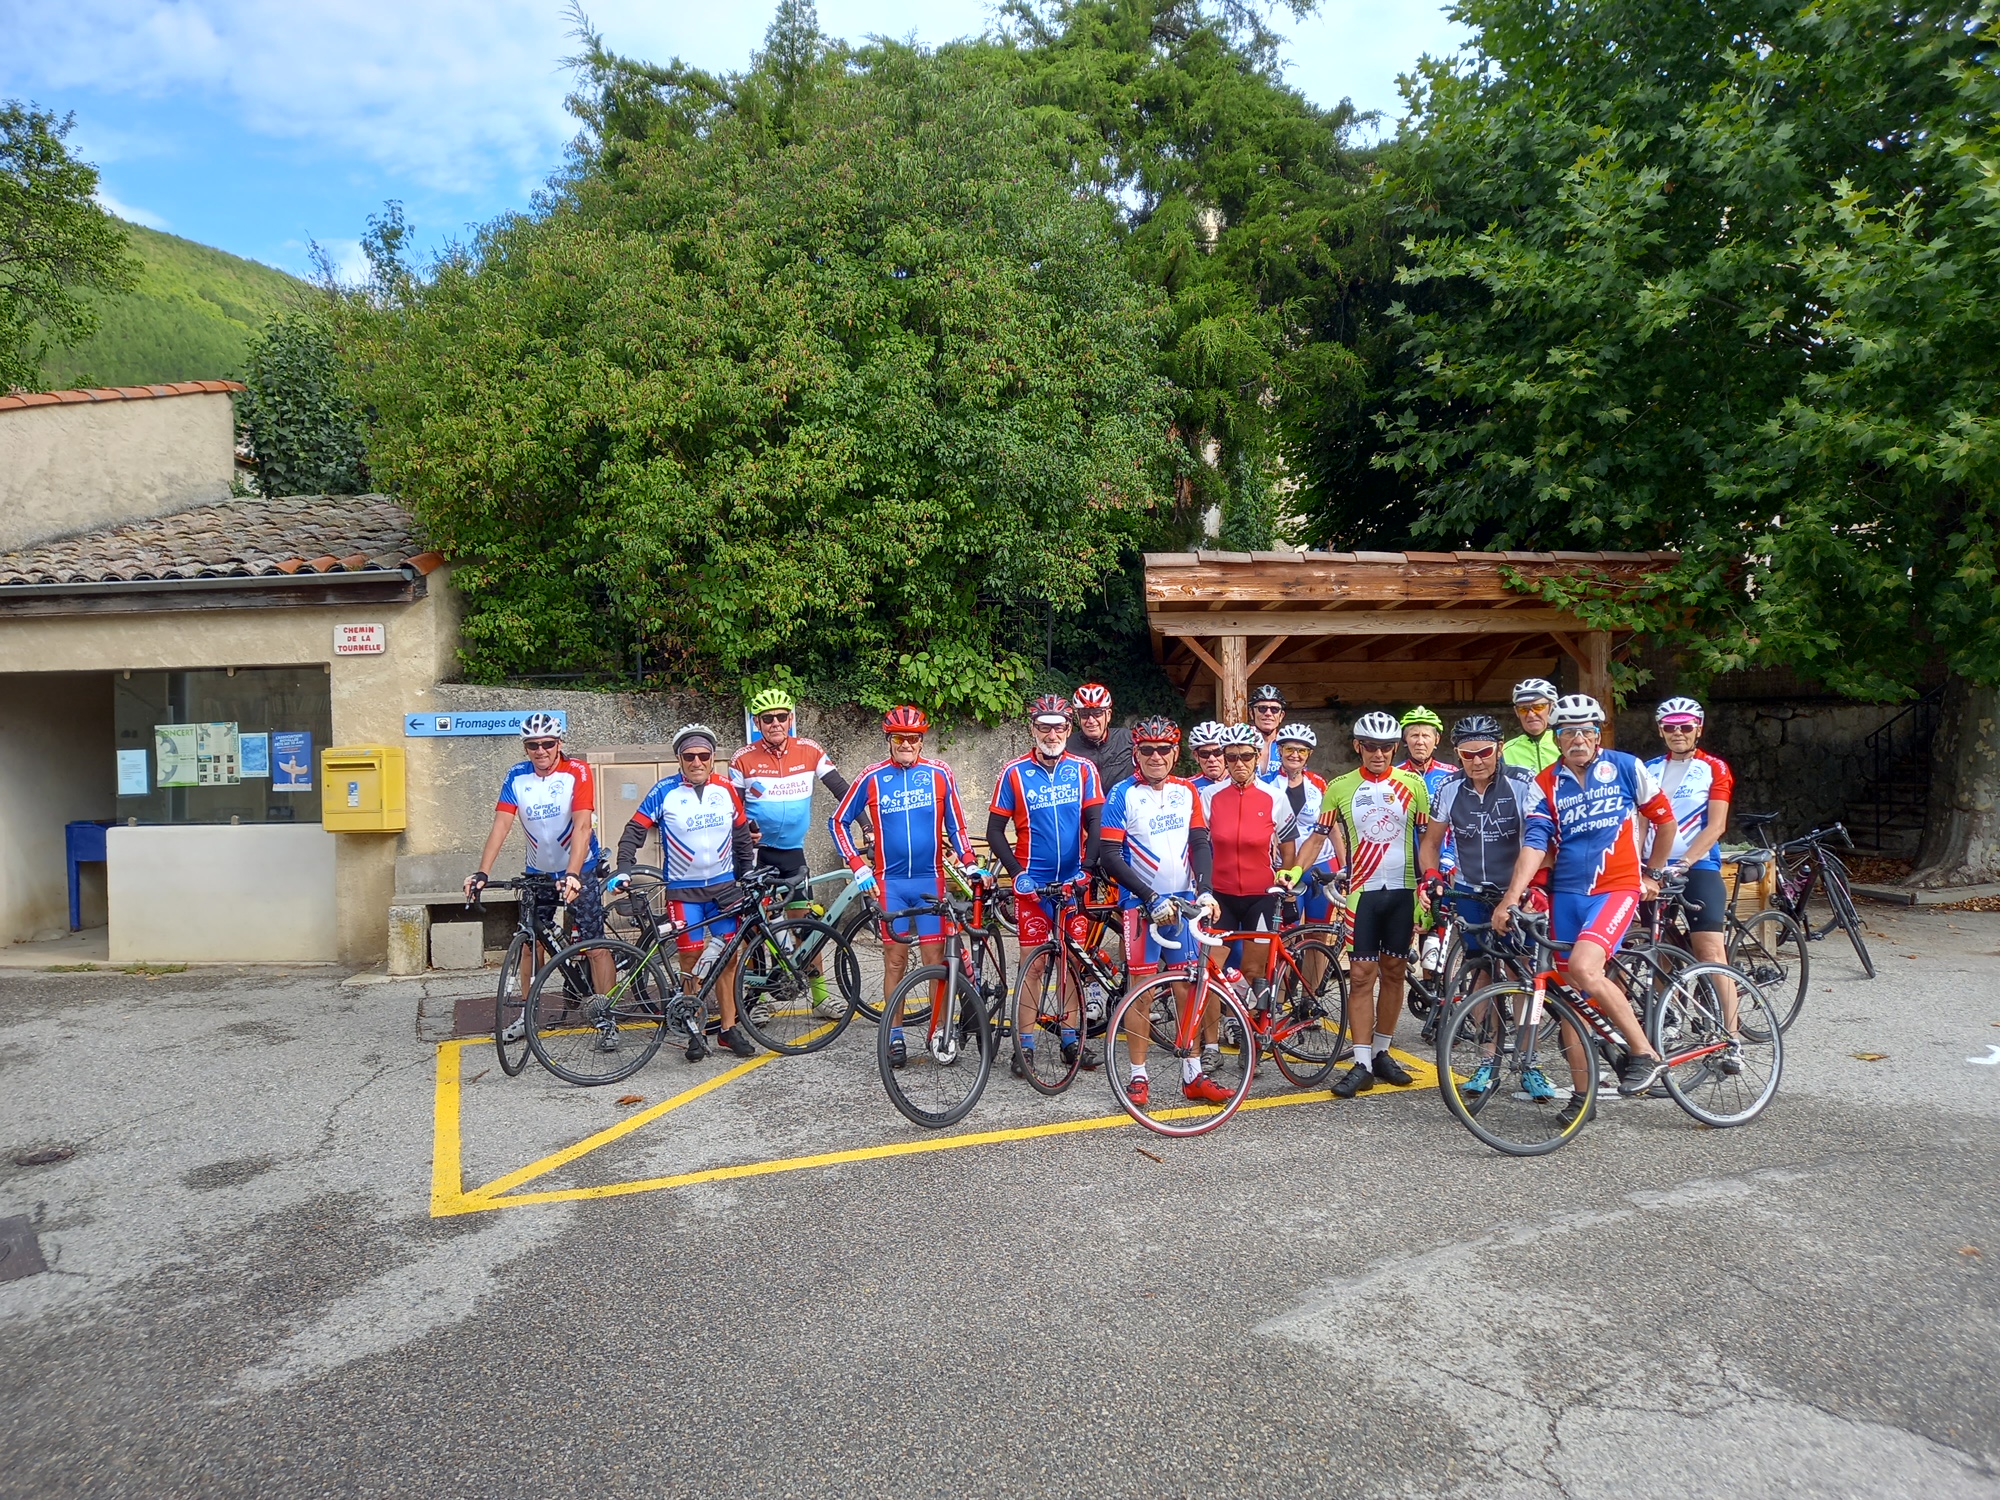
[[44, 1156], [20, 1251]]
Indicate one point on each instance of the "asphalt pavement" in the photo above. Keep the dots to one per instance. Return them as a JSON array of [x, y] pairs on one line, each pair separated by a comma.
[[278, 1266]]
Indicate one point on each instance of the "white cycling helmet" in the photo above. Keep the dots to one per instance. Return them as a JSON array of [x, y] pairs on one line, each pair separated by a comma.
[[1536, 690], [1241, 734], [1679, 708], [1578, 710], [1297, 734], [1378, 726], [688, 733], [540, 726], [1207, 732]]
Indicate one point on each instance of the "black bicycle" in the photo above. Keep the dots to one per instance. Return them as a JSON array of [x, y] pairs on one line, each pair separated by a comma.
[[533, 944], [943, 1015], [1806, 864]]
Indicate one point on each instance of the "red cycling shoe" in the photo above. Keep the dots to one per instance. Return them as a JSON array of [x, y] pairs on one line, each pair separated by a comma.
[[1135, 1090], [1206, 1090]]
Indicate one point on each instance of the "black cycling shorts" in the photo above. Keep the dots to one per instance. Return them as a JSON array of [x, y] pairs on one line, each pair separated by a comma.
[[1384, 923], [586, 912], [1248, 913], [1707, 901], [790, 863]]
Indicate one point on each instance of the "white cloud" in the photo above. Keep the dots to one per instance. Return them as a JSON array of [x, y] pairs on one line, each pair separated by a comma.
[[129, 213]]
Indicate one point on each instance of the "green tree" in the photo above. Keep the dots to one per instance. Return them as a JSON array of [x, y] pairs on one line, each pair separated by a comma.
[[301, 427], [1685, 287], [855, 393], [55, 242]]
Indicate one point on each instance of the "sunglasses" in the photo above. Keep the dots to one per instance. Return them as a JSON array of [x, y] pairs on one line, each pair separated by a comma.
[[1380, 746], [1541, 706], [540, 744], [1155, 749], [698, 757], [1241, 759], [1270, 708], [1487, 754], [778, 717], [1207, 752], [1092, 713], [1679, 728], [1575, 731], [906, 740]]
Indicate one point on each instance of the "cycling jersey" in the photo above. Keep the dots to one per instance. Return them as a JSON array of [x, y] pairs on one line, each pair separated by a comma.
[[913, 813], [1203, 783], [1243, 824], [1691, 785], [1592, 822], [778, 787], [1535, 755], [1382, 817], [546, 805], [697, 829], [1486, 827], [1046, 805], [1155, 824], [1270, 759], [1113, 758], [1303, 799], [1438, 774]]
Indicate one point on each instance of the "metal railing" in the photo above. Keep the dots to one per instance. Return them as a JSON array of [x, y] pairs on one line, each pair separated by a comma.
[[1891, 743]]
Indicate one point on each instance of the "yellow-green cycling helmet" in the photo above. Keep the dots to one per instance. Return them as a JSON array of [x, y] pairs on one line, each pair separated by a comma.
[[771, 701], [1422, 715]]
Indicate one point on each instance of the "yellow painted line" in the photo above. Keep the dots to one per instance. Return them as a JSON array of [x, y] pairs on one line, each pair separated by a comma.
[[489, 1197], [447, 1179]]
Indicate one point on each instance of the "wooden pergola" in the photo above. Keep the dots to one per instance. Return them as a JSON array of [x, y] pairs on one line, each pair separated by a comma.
[[1374, 627]]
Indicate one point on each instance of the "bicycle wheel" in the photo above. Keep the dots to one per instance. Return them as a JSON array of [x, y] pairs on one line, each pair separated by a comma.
[[510, 1012], [1508, 1075], [947, 1064], [1771, 948], [774, 996], [859, 933], [1841, 899], [1689, 1032], [1048, 1021], [1309, 1027], [1167, 1109], [598, 1038]]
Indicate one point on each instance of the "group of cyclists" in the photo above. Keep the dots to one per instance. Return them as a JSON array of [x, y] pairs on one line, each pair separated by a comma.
[[1548, 816]]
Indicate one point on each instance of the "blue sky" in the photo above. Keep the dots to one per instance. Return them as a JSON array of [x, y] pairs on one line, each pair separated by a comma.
[[260, 127]]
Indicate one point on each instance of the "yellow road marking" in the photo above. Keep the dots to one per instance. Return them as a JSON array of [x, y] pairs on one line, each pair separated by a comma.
[[449, 1197]]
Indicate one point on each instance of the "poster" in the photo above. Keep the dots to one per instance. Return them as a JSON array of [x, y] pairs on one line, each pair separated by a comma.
[[217, 755], [256, 751], [132, 773], [174, 750], [291, 760]]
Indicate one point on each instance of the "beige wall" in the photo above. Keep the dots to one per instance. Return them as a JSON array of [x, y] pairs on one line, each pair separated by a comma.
[[56, 765], [78, 466], [370, 696], [212, 893]]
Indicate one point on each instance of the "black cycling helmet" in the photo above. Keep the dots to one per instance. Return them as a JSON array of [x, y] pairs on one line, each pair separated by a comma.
[[1475, 727], [1268, 693]]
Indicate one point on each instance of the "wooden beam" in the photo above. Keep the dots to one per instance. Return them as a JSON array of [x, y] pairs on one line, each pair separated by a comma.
[[1570, 648], [1485, 678], [1597, 674], [1366, 622], [1232, 683], [1208, 661], [1265, 655]]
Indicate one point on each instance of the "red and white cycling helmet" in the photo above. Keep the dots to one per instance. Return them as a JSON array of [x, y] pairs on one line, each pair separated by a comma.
[[1157, 730], [1091, 695], [1207, 732], [1051, 706], [1241, 734], [1679, 711]]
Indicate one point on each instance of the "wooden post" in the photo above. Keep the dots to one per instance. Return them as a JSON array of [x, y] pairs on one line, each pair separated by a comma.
[[1596, 674], [1232, 691]]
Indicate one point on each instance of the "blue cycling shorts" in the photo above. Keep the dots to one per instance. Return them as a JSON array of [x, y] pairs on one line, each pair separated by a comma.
[[704, 920], [1143, 952], [901, 892], [1601, 919]]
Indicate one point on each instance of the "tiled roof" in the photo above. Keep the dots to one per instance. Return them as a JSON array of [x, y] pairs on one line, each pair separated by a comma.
[[21, 399], [250, 538]]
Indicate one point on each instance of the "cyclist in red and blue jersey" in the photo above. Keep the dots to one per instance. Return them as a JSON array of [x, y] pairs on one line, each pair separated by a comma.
[[1205, 744], [1586, 815], [705, 849], [1155, 844], [910, 805], [1700, 787], [1043, 821]]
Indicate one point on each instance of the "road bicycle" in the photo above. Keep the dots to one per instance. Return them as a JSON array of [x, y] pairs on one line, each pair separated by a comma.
[[1512, 1058], [1065, 992], [1804, 865], [944, 1013], [532, 944], [1768, 945], [600, 1038]]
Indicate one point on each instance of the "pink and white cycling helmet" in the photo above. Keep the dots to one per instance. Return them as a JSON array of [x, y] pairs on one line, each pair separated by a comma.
[[1679, 711]]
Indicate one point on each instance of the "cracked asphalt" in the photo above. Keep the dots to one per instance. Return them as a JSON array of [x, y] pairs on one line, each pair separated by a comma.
[[247, 1293]]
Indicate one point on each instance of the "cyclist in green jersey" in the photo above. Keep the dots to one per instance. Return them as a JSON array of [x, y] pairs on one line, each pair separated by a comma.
[[1374, 817], [1534, 748]]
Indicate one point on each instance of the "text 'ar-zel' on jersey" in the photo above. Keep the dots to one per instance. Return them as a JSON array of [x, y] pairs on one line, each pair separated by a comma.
[[696, 826], [777, 787], [1046, 804], [1592, 822], [546, 806], [912, 813], [1154, 825]]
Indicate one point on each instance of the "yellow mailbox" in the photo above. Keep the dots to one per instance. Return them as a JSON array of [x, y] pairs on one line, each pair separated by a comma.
[[361, 789]]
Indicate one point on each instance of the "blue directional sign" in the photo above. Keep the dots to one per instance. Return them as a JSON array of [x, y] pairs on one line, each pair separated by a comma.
[[430, 726]]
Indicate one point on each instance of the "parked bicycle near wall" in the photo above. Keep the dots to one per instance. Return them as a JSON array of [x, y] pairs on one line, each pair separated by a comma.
[[1806, 864], [538, 934], [940, 1020]]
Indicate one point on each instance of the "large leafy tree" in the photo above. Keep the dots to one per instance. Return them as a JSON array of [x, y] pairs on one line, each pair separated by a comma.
[[818, 370], [55, 242], [1718, 278]]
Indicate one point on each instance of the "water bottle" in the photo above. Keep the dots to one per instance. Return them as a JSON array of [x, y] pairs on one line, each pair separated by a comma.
[[1433, 953], [1093, 1002], [1238, 985], [711, 951]]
